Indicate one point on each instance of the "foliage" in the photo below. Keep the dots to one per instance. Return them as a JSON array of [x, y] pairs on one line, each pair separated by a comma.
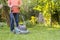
[[2, 24], [33, 7], [33, 20], [47, 7]]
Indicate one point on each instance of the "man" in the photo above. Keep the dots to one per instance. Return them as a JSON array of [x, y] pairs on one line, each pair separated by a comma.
[[14, 12]]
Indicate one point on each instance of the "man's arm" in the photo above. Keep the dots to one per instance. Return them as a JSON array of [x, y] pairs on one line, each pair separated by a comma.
[[9, 3], [20, 3]]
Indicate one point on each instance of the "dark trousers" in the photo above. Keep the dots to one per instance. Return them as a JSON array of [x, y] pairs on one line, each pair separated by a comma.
[[13, 16]]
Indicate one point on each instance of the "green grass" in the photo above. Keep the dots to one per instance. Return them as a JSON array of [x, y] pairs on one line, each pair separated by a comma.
[[37, 32]]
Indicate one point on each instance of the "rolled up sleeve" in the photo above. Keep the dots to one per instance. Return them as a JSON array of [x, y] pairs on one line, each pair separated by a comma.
[[9, 3]]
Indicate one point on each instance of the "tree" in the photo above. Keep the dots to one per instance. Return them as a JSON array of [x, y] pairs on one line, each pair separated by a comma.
[[48, 8], [5, 11]]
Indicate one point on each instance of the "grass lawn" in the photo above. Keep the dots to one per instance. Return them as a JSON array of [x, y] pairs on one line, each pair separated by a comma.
[[37, 32]]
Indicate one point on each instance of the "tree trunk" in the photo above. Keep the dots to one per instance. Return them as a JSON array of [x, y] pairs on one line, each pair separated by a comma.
[[59, 18], [40, 18], [6, 13]]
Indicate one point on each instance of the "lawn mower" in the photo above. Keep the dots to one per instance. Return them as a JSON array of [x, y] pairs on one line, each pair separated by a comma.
[[22, 29]]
